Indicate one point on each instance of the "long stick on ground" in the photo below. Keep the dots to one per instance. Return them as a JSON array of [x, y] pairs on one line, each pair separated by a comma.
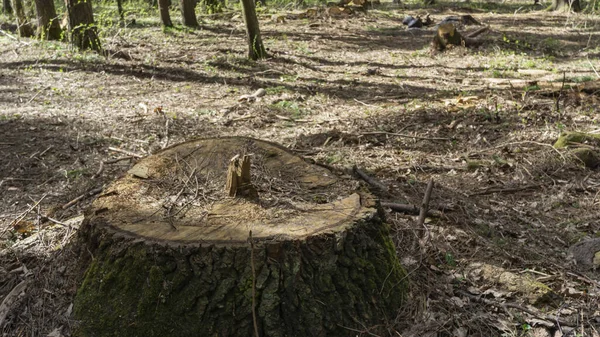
[[423, 214]]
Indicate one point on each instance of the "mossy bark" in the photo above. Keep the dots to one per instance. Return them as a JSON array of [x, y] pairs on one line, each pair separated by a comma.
[[84, 34], [256, 49], [48, 25], [165, 17], [321, 286]]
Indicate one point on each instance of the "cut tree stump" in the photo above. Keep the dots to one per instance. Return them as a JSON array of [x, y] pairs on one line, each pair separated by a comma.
[[175, 255]]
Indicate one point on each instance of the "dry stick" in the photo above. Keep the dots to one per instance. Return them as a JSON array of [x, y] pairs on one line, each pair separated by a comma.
[[503, 190], [112, 161], [423, 214], [24, 214], [594, 69], [253, 285], [81, 197], [560, 93], [371, 181], [504, 306], [403, 135], [10, 299], [129, 153], [410, 209]]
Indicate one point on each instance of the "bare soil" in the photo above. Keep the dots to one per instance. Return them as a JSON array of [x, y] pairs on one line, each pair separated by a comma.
[[357, 89]]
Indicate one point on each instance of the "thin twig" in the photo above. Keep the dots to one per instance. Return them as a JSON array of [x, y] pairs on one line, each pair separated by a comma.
[[24, 214], [83, 196], [423, 214], [403, 135], [504, 190], [370, 180], [129, 153], [594, 69]]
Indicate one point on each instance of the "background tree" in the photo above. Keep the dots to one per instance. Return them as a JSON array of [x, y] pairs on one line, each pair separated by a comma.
[[566, 5], [48, 26], [25, 29], [255, 45], [121, 13], [188, 13], [165, 17], [6, 7], [83, 32]]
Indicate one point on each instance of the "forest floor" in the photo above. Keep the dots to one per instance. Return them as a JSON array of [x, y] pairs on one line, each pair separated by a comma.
[[359, 89]]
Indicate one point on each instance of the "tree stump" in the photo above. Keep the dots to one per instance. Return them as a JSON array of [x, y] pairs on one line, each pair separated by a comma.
[[175, 255]]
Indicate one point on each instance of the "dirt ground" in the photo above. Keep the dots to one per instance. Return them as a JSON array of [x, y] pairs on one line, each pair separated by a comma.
[[358, 89]]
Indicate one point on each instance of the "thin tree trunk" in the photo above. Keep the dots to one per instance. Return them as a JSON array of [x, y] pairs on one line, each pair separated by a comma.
[[566, 5], [25, 29], [165, 17], [256, 47], [188, 13], [84, 34], [6, 7], [121, 13], [48, 26]]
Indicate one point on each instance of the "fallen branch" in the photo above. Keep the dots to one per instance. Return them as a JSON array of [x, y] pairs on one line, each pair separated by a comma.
[[409, 209], [112, 161], [423, 214], [370, 180], [503, 190], [504, 306], [129, 153], [10, 299], [83, 196]]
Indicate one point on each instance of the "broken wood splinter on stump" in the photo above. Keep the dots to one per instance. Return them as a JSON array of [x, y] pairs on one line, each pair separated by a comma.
[[238, 178]]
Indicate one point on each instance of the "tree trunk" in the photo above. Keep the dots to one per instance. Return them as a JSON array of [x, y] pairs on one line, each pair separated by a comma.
[[165, 17], [174, 255], [566, 5], [121, 13], [188, 13], [25, 29], [256, 48], [83, 31], [6, 7], [48, 25]]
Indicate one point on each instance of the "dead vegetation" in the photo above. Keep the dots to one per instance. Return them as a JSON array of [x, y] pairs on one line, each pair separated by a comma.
[[343, 88]]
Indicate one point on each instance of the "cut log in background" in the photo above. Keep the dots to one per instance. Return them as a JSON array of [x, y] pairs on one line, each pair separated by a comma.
[[173, 253]]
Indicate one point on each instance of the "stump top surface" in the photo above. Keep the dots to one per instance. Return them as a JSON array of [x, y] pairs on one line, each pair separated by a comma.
[[178, 195]]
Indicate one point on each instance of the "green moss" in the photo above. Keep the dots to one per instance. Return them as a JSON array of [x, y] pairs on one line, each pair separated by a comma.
[[570, 138], [304, 288]]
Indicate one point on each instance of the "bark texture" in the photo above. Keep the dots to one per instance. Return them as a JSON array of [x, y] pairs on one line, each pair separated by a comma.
[[165, 17], [188, 13], [173, 254], [316, 287], [255, 45], [25, 29], [6, 7], [84, 34], [48, 25], [566, 5]]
